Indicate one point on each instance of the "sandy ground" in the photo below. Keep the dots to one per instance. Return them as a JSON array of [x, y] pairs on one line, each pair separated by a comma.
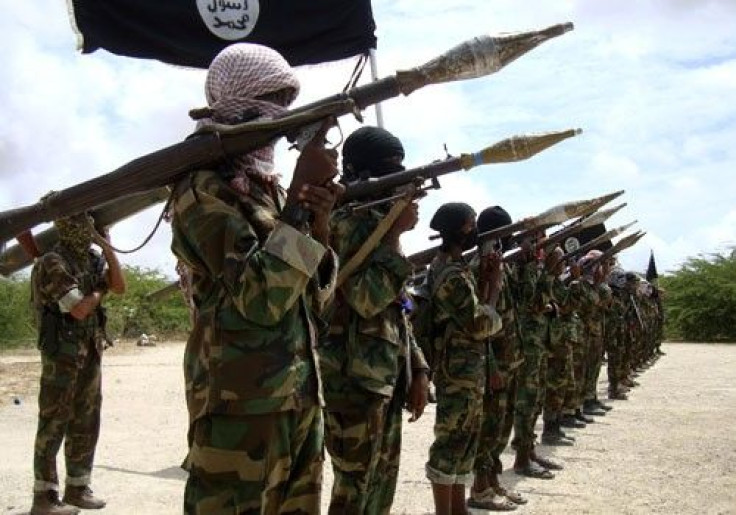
[[671, 448]]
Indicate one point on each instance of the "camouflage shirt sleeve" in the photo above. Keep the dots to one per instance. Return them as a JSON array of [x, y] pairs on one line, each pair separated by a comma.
[[457, 301], [531, 288], [379, 280], [264, 280], [53, 279], [418, 361]]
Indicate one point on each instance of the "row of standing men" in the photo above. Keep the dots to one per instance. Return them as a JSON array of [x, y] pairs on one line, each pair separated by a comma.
[[287, 355]]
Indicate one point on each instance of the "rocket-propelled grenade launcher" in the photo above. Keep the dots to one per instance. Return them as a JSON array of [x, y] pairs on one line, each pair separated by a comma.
[[515, 148], [553, 216], [17, 257], [475, 58]]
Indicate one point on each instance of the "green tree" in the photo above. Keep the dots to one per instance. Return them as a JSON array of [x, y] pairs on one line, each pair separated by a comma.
[[700, 299], [134, 313], [17, 324], [129, 315]]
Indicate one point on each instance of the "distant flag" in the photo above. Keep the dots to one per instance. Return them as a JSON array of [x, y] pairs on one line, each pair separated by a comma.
[[586, 235], [652, 268], [192, 32]]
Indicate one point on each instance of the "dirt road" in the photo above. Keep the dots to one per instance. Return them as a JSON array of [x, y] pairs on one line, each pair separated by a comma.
[[671, 448]]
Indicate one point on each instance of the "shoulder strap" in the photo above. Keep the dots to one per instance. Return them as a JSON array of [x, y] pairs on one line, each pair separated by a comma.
[[373, 240]]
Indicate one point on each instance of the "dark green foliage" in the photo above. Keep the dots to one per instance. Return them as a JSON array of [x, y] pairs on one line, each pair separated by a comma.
[[17, 323], [700, 299], [128, 315], [132, 314]]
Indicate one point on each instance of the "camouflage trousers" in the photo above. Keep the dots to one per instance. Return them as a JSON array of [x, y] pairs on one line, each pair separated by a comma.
[[498, 420], [69, 403], [364, 444], [614, 352], [530, 396], [628, 351], [594, 362], [255, 464], [456, 435], [560, 379], [574, 392]]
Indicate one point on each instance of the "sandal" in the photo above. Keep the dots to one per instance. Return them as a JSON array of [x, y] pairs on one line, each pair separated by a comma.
[[511, 495], [534, 470], [488, 500], [547, 463]]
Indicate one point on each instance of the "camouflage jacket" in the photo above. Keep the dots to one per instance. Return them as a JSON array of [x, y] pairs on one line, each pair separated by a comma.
[[465, 324], [564, 327], [616, 313], [535, 293], [54, 275], [606, 296], [505, 345], [259, 286], [590, 310], [368, 316]]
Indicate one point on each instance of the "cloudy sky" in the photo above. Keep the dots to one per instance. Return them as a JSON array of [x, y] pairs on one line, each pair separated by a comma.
[[652, 85]]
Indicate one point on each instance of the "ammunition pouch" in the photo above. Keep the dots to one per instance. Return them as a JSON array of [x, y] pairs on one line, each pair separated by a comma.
[[48, 334]]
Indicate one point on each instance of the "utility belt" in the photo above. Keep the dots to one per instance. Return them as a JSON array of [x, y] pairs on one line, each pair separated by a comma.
[[57, 328]]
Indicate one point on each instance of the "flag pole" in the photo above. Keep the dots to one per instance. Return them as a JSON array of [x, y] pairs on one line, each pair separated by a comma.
[[374, 78]]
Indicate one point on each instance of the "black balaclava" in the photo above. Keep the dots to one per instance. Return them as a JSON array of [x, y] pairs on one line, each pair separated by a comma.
[[493, 218], [366, 153], [449, 220]]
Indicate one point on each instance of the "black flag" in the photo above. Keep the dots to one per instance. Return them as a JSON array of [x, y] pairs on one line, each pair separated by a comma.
[[586, 235], [652, 268], [192, 32]]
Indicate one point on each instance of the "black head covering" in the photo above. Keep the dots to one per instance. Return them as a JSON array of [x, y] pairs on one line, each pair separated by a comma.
[[449, 219], [493, 218], [365, 151]]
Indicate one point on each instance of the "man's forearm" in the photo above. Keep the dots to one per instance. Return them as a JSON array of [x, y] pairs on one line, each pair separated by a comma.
[[86, 306], [115, 277]]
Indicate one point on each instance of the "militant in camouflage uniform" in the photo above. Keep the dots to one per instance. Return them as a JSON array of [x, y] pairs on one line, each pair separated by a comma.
[[591, 313], [535, 304], [499, 400], [606, 298], [560, 371], [68, 284], [573, 416], [370, 359], [463, 322], [615, 340], [631, 322], [259, 282]]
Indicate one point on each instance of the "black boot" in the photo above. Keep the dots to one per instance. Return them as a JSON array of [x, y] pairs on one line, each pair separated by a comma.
[[616, 394], [604, 407], [560, 432], [579, 415], [589, 408], [569, 420], [551, 434]]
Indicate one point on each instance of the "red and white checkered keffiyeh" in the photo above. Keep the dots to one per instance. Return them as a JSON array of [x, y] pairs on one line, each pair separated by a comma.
[[237, 75]]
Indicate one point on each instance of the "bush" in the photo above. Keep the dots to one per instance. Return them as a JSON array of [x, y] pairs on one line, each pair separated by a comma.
[[17, 324], [700, 299], [129, 315]]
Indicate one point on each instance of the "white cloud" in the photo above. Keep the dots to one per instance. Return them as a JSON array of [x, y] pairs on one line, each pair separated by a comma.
[[649, 82]]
